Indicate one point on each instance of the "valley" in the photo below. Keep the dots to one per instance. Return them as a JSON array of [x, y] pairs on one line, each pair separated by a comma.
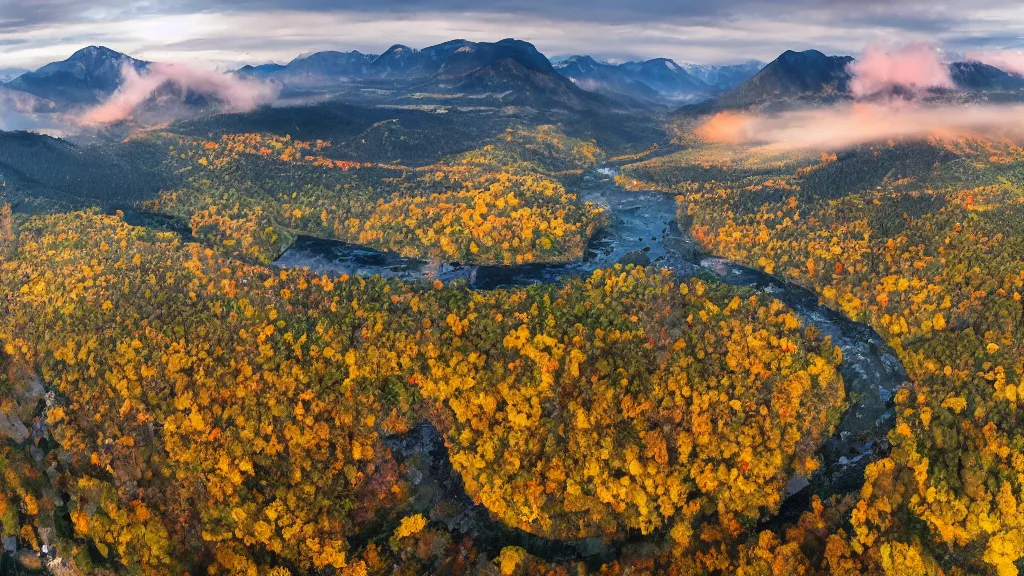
[[460, 310]]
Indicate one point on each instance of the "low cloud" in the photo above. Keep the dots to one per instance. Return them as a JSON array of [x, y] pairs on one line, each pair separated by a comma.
[[22, 111], [1005, 60], [22, 102], [916, 67], [233, 94], [913, 67], [852, 124]]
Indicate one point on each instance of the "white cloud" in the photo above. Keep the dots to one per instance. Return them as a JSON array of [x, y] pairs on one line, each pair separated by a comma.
[[226, 37]]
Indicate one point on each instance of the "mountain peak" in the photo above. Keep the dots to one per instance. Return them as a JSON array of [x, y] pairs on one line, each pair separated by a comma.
[[793, 56], [724, 77], [974, 75], [809, 73], [581, 62], [520, 51], [92, 57], [807, 58], [457, 43], [97, 51], [327, 64], [87, 76], [398, 50], [667, 62], [97, 56], [659, 80], [327, 54]]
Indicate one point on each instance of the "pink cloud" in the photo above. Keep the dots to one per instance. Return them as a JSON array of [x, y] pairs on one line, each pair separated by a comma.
[[235, 94], [1005, 60], [915, 66], [849, 125]]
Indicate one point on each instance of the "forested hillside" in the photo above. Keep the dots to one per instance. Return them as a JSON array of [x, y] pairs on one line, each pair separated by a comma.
[[621, 399], [922, 242]]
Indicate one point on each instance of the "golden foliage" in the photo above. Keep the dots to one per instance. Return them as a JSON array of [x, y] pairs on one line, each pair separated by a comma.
[[211, 410], [496, 205], [939, 272]]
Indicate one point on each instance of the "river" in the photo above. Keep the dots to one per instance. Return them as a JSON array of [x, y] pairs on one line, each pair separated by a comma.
[[643, 231]]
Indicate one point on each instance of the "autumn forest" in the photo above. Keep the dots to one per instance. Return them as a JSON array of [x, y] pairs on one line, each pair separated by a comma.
[[193, 381]]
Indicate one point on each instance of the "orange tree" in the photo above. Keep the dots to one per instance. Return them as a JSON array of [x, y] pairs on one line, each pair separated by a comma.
[[212, 414], [249, 195], [931, 254], [630, 401], [204, 414]]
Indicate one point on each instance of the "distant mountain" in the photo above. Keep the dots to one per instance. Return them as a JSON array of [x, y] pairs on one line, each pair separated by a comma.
[[583, 67], [400, 62], [455, 58], [667, 77], [8, 74], [653, 80], [589, 74], [459, 57], [558, 59], [511, 68], [317, 68], [260, 71], [331, 64], [793, 75], [724, 77], [87, 77], [978, 77], [403, 61], [811, 77]]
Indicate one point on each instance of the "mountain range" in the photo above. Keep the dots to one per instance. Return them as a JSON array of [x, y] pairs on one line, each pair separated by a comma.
[[649, 81], [400, 62], [811, 77], [659, 80], [724, 77], [317, 66], [89, 76], [513, 71], [507, 73]]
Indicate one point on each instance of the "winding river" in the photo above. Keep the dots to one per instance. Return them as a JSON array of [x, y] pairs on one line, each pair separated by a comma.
[[643, 230]]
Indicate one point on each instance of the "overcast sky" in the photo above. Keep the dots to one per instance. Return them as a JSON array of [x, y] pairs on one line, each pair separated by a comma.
[[231, 32]]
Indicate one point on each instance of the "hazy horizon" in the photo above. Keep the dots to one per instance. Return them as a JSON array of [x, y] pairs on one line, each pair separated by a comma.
[[228, 33]]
